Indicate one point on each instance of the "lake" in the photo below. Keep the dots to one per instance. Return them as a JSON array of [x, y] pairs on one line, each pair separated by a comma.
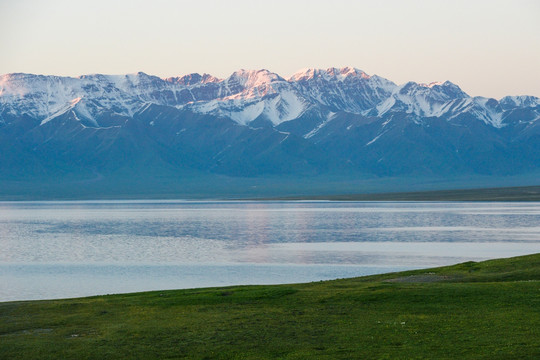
[[79, 248]]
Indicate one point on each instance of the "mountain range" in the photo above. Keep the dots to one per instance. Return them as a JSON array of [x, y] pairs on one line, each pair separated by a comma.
[[198, 133]]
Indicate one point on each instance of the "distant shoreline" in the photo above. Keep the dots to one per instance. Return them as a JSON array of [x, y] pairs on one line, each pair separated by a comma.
[[517, 193]]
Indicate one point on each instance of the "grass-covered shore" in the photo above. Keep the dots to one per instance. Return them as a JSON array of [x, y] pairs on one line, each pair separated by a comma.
[[486, 310]]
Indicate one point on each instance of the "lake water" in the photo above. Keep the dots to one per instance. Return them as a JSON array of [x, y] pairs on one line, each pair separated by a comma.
[[80, 248]]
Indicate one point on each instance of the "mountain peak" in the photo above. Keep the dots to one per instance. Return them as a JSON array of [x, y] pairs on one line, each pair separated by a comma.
[[442, 90], [509, 102], [327, 74], [254, 78], [192, 79], [254, 123], [431, 84], [347, 72]]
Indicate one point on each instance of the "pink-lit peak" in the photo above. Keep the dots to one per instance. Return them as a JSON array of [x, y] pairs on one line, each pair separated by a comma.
[[254, 78], [339, 73], [431, 84]]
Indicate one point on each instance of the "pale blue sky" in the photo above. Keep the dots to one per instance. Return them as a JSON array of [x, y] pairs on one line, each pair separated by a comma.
[[489, 48]]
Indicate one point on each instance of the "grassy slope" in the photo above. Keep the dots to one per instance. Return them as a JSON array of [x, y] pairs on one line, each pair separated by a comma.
[[487, 310]]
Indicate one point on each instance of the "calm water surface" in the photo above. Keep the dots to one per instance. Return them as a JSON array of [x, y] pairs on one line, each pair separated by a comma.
[[80, 248]]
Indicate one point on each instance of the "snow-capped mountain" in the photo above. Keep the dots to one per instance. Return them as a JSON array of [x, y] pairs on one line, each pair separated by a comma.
[[423, 100], [256, 122], [347, 89], [245, 96]]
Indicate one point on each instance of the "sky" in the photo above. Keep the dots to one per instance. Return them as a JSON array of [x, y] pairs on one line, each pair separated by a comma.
[[489, 48]]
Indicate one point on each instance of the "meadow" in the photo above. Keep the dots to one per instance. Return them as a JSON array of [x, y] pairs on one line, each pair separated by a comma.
[[473, 310]]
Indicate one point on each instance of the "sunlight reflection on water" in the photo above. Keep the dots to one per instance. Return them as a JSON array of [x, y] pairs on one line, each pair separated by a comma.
[[93, 247]]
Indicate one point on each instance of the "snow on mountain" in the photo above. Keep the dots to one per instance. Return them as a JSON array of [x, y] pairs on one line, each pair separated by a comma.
[[423, 100], [249, 94], [246, 96], [251, 79], [331, 116], [37, 96], [488, 110], [275, 107], [44, 96], [192, 79], [336, 121], [510, 102], [346, 89], [328, 74]]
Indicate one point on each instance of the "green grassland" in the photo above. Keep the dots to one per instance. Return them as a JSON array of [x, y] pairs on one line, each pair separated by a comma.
[[484, 310]]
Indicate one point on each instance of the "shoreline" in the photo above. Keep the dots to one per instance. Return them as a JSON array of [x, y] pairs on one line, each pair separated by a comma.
[[458, 311], [491, 194], [499, 194]]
